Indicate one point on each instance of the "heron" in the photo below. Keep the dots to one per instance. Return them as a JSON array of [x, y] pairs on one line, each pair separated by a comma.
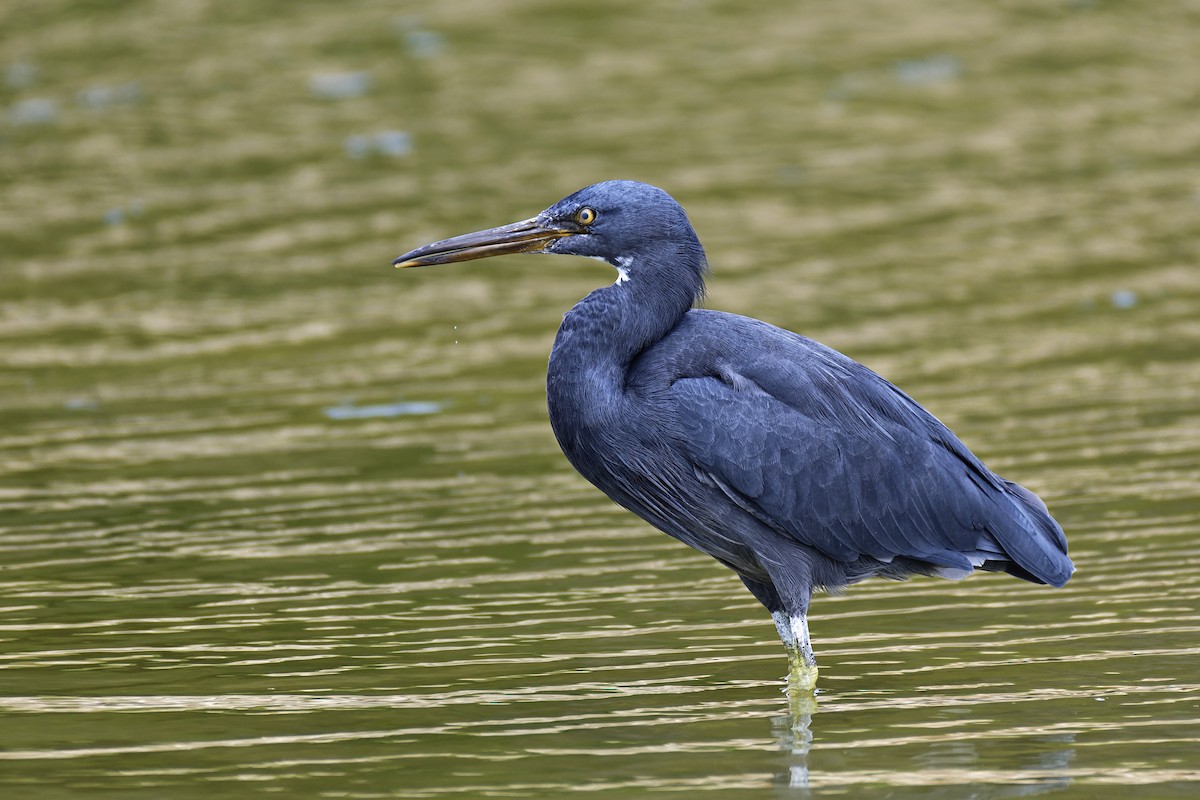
[[790, 463]]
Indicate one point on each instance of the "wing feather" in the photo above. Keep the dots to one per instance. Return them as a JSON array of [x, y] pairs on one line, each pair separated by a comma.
[[842, 461]]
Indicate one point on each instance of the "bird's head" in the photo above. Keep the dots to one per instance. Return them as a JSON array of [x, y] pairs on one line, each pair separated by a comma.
[[631, 225]]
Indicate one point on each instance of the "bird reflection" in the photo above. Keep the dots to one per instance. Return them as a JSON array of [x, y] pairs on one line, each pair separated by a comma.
[[795, 735], [942, 771]]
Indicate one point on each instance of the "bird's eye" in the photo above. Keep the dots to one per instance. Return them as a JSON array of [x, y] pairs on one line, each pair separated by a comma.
[[585, 216]]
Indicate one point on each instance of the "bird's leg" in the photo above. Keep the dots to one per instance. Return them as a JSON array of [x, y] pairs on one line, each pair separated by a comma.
[[802, 664]]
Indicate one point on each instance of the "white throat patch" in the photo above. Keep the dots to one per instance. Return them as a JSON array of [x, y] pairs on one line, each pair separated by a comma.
[[623, 265]]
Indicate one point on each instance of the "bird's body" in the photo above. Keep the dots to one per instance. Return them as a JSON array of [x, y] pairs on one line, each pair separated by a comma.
[[793, 465]]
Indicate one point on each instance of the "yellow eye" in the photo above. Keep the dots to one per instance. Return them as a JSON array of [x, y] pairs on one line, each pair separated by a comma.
[[585, 216]]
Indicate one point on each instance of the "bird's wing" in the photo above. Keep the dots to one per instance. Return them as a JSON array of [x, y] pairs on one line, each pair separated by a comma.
[[834, 456]]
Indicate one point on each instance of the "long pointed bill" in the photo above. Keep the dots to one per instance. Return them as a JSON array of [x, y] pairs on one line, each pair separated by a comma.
[[526, 236]]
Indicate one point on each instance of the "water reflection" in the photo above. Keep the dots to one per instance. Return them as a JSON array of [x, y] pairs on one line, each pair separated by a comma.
[[796, 739], [1023, 766], [216, 574]]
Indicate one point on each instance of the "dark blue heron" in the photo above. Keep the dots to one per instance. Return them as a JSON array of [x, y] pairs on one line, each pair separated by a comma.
[[791, 464]]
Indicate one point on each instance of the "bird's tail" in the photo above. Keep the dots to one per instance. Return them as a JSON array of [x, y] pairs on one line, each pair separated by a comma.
[[1035, 543]]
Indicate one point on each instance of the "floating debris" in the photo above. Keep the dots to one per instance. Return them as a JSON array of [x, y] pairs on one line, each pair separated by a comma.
[[1123, 298], [34, 111], [100, 97], [349, 410], [393, 144], [927, 71], [340, 85]]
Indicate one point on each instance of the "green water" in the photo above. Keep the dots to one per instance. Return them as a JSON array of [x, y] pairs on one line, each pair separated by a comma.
[[223, 574]]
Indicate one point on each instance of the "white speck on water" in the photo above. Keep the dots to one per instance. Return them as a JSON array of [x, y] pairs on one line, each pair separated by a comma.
[[34, 111], [101, 97], [926, 71], [418, 40], [1123, 298], [81, 404], [392, 144], [117, 215], [423, 44], [339, 85], [348, 410]]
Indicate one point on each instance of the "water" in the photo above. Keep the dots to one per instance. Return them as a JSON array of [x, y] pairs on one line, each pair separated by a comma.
[[211, 585]]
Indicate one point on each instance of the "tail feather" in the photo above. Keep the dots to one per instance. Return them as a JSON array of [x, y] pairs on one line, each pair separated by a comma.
[[1035, 542]]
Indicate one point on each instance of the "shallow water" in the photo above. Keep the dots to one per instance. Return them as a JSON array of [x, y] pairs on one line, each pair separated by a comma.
[[274, 518]]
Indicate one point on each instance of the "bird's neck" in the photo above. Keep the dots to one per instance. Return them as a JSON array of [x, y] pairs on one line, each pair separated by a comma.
[[610, 327], [600, 338]]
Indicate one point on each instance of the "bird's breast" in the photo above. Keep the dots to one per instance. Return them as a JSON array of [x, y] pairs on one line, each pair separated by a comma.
[[585, 403]]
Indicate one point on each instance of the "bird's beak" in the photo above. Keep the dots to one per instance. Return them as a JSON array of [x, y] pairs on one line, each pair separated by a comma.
[[528, 236]]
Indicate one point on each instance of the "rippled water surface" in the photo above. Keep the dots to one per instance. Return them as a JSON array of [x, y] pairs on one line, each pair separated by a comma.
[[276, 519]]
